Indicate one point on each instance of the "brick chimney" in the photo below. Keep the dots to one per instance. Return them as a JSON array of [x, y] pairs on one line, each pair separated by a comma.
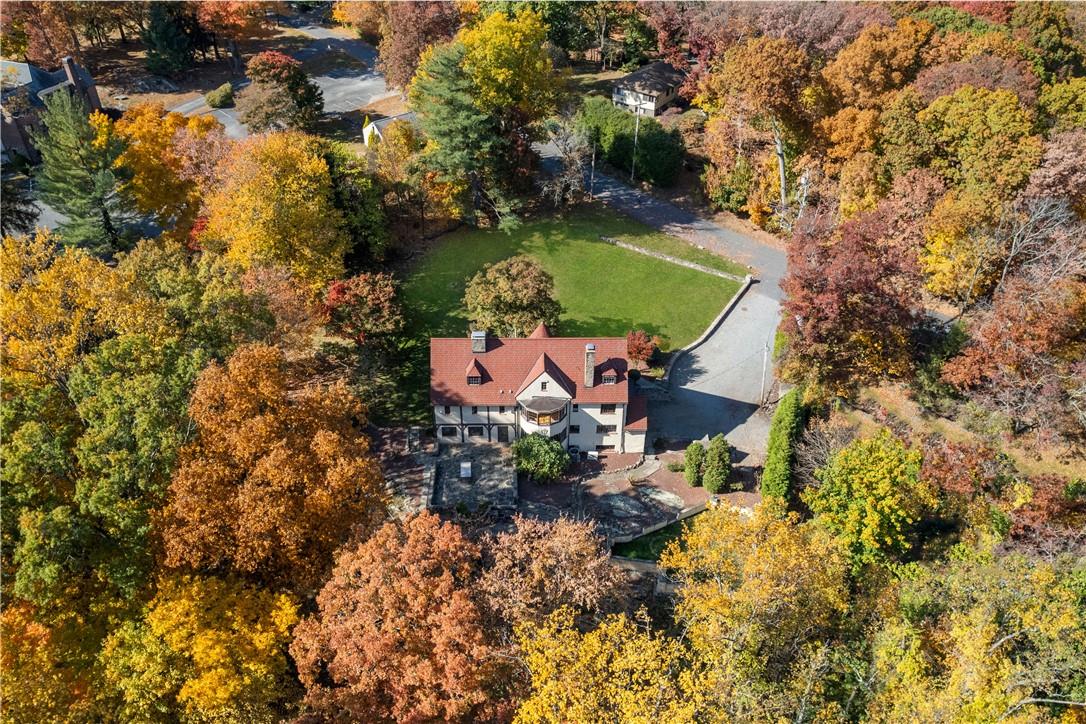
[[589, 365], [478, 341]]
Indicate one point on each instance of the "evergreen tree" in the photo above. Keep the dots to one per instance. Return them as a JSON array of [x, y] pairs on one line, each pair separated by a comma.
[[78, 177], [169, 49], [18, 214], [468, 142], [718, 464]]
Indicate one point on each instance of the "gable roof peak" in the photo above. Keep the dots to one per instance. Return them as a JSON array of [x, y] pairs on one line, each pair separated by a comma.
[[540, 332]]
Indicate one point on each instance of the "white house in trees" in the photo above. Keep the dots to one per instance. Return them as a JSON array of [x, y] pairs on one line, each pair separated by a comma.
[[572, 389]]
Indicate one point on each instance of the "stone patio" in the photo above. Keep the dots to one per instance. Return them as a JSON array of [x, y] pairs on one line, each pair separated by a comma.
[[623, 504], [493, 481]]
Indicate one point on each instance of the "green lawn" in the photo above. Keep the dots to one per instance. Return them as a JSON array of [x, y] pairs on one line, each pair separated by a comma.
[[649, 547], [604, 290]]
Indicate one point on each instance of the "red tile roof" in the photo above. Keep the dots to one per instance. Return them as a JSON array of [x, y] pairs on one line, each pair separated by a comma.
[[509, 364], [540, 332], [637, 414], [545, 364]]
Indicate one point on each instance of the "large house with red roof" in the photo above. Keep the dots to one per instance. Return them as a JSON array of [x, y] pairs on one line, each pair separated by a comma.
[[572, 389]]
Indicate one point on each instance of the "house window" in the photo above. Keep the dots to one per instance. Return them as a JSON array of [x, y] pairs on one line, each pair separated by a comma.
[[449, 431], [476, 431], [609, 378], [606, 429], [475, 410], [574, 429], [475, 380], [501, 410], [605, 448], [560, 436], [576, 407], [607, 409], [448, 410], [543, 386]]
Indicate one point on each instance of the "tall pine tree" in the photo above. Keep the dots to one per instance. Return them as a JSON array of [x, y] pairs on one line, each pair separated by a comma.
[[468, 142], [169, 49], [78, 177]]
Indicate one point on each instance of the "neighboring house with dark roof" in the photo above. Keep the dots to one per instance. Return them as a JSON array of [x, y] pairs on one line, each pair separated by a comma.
[[648, 90], [23, 89], [572, 389]]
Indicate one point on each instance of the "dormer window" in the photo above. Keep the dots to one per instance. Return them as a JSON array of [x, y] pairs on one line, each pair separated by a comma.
[[610, 377], [475, 380]]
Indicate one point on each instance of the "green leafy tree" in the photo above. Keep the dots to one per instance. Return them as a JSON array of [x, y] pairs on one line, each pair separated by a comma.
[[78, 174], [871, 496], [718, 464], [693, 463], [512, 298], [169, 49], [541, 457], [983, 139]]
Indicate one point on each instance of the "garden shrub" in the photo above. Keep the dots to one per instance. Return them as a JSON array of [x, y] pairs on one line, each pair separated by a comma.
[[659, 151], [541, 457], [693, 460], [718, 464], [221, 97], [676, 467], [783, 432]]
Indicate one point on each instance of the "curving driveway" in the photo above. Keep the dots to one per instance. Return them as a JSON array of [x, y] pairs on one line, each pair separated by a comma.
[[716, 387]]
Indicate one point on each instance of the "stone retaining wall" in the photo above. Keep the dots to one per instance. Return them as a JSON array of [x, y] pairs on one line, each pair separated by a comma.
[[672, 259]]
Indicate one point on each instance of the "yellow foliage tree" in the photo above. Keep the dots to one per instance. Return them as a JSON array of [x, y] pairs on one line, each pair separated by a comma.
[[961, 255], [42, 683], [215, 649], [846, 133], [275, 207], [616, 672], [50, 310], [858, 187], [982, 638], [510, 68], [156, 185], [753, 594]]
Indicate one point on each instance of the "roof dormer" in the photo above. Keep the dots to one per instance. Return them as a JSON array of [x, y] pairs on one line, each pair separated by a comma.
[[475, 373]]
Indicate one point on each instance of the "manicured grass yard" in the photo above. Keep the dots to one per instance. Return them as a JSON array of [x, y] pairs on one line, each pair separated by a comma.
[[649, 547], [604, 290]]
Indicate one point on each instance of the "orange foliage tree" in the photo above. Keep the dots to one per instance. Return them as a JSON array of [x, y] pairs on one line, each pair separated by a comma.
[[398, 636], [275, 479]]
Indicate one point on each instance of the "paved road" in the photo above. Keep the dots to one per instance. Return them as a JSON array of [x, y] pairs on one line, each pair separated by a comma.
[[344, 89], [716, 387]]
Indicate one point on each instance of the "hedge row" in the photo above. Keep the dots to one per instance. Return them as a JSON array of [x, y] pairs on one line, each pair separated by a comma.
[[659, 151], [785, 428]]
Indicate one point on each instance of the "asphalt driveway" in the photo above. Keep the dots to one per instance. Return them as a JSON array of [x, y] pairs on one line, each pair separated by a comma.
[[716, 387], [345, 89]]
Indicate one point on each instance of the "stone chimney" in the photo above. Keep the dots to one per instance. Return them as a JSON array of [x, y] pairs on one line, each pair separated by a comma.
[[478, 341], [589, 365]]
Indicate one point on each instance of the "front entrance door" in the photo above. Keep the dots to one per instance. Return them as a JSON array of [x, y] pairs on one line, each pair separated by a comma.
[[503, 433]]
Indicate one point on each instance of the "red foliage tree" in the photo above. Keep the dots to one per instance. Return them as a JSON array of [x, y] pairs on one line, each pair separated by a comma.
[[409, 29], [964, 469], [983, 71], [640, 347], [1024, 357], [363, 306], [397, 635], [1062, 172], [850, 307]]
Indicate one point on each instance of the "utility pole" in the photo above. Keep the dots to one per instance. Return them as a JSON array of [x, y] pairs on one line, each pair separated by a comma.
[[592, 177], [633, 159], [765, 364]]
